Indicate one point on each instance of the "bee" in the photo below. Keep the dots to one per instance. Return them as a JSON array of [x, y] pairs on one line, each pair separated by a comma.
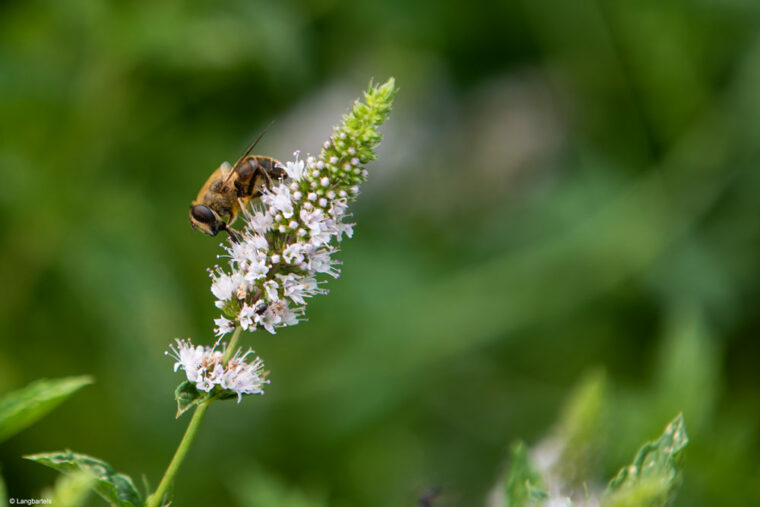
[[229, 189]]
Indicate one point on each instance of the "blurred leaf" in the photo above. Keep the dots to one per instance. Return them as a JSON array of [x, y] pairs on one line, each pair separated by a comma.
[[258, 488], [72, 490], [116, 488], [688, 373], [687, 377], [654, 475], [524, 483], [581, 430], [187, 397], [26, 406]]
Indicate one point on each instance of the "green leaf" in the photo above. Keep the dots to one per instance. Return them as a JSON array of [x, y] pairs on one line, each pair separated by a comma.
[[654, 475], [117, 489], [26, 406], [72, 490], [187, 397], [524, 484], [581, 430]]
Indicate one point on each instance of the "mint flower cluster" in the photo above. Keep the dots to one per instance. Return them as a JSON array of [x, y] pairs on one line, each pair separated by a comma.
[[205, 367], [288, 240]]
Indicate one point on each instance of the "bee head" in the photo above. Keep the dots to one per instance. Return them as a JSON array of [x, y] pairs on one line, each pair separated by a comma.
[[206, 220]]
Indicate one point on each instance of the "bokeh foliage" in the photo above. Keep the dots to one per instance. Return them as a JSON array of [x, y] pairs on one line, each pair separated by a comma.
[[564, 187]]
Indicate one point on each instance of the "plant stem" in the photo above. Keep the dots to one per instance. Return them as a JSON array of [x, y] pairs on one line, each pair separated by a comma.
[[232, 345], [155, 499]]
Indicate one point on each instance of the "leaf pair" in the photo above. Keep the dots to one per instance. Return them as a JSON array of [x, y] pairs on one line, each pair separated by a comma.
[[24, 407]]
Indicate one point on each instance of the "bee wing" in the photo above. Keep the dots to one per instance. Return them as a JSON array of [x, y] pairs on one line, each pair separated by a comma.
[[247, 152], [227, 172]]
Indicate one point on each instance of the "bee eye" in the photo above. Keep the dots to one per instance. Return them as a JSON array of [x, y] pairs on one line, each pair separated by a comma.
[[202, 214]]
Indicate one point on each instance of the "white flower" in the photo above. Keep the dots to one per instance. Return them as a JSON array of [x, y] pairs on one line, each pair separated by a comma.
[[246, 317], [224, 286], [342, 228], [295, 170], [319, 226], [223, 326], [259, 222], [297, 287], [205, 368], [294, 253], [279, 198], [338, 208], [188, 358], [320, 262], [270, 290], [256, 270], [277, 314]]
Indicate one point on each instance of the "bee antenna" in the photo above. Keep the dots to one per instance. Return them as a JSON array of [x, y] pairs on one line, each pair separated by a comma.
[[253, 145]]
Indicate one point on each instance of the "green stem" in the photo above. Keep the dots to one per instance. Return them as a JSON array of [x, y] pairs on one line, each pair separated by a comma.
[[232, 345], [155, 499]]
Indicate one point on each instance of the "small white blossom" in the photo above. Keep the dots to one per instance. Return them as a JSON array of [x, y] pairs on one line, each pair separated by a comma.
[[241, 377], [204, 367], [246, 316], [223, 326], [259, 222], [224, 285], [279, 198], [188, 358], [293, 253], [270, 290], [295, 170]]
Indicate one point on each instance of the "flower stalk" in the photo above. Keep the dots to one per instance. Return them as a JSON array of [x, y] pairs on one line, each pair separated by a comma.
[[282, 255], [156, 499]]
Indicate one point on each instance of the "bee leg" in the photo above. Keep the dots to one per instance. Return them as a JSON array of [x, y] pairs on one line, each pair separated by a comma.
[[259, 174], [232, 233]]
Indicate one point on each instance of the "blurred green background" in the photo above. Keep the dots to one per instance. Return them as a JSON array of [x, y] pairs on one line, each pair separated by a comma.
[[563, 187]]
